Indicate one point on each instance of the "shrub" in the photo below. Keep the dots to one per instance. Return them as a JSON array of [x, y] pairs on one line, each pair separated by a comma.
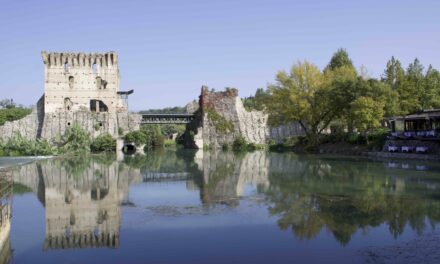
[[20, 146], [12, 114], [76, 139], [240, 144], [220, 123], [225, 147], [136, 137], [103, 143], [120, 131]]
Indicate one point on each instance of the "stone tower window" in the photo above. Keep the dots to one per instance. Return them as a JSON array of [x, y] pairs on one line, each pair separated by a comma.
[[98, 82], [67, 104], [94, 68], [66, 67], [71, 81]]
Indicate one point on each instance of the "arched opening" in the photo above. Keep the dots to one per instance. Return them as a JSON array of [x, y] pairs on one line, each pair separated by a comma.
[[94, 68], [67, 104], [129, 149]]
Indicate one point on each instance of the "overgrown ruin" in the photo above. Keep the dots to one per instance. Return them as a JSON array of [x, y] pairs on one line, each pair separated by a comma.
[[78, 88], [84, 89]]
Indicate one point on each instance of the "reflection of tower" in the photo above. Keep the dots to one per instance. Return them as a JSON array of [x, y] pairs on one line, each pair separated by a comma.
[[226, 175], [82, 196], [82, 210], [5, 214]]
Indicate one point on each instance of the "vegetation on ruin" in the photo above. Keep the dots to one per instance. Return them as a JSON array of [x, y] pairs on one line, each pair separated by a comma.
[[75, 140], [241, 144], [220, 123], [148, 135], [10, 112], [103, 143], [18, 145]]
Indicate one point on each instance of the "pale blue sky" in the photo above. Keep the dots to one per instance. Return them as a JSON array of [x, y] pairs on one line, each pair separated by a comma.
[[168, 49]]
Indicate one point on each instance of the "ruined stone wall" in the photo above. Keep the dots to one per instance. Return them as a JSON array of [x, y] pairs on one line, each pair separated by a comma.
[[38, 125], [252, 125], [74, 84]]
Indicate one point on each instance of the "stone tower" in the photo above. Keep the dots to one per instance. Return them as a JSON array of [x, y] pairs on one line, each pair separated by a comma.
[[81, 82]]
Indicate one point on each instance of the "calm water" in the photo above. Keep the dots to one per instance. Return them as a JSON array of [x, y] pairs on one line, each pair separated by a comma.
[[207, 207]]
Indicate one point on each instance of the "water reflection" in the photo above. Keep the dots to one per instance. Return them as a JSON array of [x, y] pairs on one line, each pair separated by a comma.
[[309, 194], [306, 194], [5, 215], [81, 196]]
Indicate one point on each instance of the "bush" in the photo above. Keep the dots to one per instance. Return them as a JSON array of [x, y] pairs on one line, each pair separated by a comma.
[[12, 114], [225, 147], [103, 143], [20, 146], [220, 123], [136, 137], [240, 144], [377, 140], [76, 139], [120, 131]]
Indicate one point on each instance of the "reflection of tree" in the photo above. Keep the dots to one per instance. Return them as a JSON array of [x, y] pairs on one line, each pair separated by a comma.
[[344, 197]]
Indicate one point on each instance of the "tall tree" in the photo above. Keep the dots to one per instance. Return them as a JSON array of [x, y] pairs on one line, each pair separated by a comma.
[[339, 59], [412, 89], [394, 74], [431, 95], [307, 96], [366, 114]]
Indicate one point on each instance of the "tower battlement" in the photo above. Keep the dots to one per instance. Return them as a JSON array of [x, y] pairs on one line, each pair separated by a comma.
[[80, 59]]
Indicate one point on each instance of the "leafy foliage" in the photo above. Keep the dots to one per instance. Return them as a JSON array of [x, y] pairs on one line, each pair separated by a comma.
[[136, 137], [75, 140], [220, 123], [12, 114], [17, 145], [103, 143]]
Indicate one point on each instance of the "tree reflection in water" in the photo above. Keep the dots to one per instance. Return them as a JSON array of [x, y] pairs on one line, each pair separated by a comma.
[[309, 194]]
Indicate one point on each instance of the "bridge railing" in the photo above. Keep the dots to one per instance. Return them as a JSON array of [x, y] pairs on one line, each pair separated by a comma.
[[167, 118]]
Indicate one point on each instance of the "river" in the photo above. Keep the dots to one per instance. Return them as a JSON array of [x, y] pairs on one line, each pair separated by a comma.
[[184, 206]]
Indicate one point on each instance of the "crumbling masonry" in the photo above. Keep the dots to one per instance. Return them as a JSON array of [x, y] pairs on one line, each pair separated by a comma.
[[78, 88]]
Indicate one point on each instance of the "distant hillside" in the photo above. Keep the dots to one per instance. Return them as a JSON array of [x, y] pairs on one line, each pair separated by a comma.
[[167, 110]]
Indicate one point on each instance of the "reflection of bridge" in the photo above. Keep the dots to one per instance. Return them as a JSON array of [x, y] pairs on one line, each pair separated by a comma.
[[165, 176], [167, 118]]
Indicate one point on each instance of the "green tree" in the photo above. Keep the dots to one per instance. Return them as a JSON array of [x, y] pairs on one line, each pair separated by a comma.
[[309, 97], [258, 101], [339, 59], [366, 113], [394, 74], [431, 94], [75, 140]]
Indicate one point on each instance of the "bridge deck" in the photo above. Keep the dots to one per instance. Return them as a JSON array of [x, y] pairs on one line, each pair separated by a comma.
[[167, 118]]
